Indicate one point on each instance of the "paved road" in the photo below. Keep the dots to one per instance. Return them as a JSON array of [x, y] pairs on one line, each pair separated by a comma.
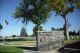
[[33, 50], [71, 48], [29, 51]]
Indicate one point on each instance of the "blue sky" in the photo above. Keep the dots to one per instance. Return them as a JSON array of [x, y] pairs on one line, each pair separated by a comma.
[[7, 9]]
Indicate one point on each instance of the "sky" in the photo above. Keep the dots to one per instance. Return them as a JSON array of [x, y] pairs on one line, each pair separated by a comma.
[[8, 7]]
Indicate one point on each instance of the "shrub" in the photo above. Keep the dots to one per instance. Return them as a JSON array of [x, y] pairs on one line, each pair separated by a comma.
[[20, 39]]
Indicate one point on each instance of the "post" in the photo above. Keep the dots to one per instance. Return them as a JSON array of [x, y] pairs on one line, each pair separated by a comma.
[[4, 40]]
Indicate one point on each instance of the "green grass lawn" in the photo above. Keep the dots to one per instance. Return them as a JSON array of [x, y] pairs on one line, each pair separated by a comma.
[[66, 42], [10, 49]]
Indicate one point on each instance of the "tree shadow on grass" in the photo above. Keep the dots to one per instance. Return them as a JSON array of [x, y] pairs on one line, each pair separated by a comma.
[[29, 48], [71, 48]]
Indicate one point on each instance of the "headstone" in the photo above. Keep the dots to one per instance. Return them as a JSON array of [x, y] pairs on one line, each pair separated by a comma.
[[48, 40]]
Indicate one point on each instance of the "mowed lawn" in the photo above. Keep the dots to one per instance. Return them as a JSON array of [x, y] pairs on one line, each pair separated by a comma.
[[10, 49], [66, 42], [33, 43], [20, 43]]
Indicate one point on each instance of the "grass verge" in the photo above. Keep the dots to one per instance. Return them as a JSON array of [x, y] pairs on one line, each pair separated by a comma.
[[66, 42], [10, 49]]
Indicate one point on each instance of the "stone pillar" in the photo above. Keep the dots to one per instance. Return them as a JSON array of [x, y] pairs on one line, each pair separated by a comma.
[[48, 40]]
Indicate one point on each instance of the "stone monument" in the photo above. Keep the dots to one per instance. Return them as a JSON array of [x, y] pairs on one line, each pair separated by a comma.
[[48, 40]]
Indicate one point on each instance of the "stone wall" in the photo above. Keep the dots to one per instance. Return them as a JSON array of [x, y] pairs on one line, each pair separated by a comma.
[[48, 40]]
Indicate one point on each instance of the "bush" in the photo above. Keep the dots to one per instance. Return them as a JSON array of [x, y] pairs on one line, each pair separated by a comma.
[[30, 39], [20, 39], [0, 36], [10, 49]]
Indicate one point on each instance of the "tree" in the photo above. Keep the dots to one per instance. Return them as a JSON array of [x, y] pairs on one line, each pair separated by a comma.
[[0, 36], [35, 11], [23, 32], [1, 26], [60, 8], [63, 8], [53, 29], [35, 30], [13, 35], [70, 32]]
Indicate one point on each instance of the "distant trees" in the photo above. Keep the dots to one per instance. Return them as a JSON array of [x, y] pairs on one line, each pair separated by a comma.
[[73, 33], [13, 35], [52, 28], [0, 36], [1, 26], [23, 32], [70, 32], [79, 32], [62, 28]]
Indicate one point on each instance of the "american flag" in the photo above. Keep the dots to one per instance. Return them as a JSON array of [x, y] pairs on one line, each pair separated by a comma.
[[6, 22]]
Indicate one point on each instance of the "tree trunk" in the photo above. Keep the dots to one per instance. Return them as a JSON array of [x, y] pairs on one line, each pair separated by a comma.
[[38, 26], [66, 33]]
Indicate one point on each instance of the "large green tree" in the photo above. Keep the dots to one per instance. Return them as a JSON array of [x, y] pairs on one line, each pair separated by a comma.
[[63, 8], [35, 11]]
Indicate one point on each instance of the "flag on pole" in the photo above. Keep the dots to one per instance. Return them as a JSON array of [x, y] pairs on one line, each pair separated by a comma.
[[6, 22]]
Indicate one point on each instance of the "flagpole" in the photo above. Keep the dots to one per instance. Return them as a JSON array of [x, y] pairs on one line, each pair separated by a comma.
[[4, 31], [4, 26], [4, 40]]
